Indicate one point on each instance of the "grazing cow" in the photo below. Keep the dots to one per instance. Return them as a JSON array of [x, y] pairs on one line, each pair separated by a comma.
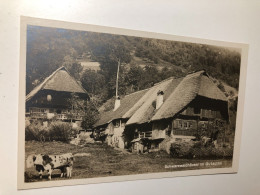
[[42, 162]]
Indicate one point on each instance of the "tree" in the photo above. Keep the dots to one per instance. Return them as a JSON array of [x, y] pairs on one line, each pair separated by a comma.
[[134, 77], [93, 82], [50, 48], [86, 109], [149, 77], [90, 117], [75, 70]]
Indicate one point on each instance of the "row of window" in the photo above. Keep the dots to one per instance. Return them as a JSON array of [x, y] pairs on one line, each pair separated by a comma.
[[203, 112], [183, 124], [191, 124], [117, 124]]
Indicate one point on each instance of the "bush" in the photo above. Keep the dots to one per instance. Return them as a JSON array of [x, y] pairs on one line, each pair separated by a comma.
[[56, 130], [198, 150], [211, 152], [61, 131], [35, 131], [181, 149]]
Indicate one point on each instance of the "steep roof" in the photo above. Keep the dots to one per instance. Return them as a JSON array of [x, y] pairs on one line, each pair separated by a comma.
[[145, 111], [126, 104], [210, 90], [139, 107], [192, 85], [59, 80], [150, 92]]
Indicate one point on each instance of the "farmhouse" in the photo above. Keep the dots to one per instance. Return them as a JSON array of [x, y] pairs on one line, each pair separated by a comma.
[[112, 123], [174, 109], [187, 107], [51, 99]]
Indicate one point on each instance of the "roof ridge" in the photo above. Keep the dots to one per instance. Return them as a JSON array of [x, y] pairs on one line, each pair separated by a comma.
[[202, 71]]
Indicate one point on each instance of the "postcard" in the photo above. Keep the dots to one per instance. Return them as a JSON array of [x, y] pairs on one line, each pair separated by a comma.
[[101, 104]]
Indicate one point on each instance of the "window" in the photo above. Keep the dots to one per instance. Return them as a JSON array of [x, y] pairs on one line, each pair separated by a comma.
[[156, 145], [117, 123], [180, 124], [49, 98], [43, 110], [189, 124], [203, 124], [185, 124]]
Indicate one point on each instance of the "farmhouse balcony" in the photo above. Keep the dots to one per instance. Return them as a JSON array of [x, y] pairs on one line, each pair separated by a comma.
[[54, 116], [146, 134], [37, 115]]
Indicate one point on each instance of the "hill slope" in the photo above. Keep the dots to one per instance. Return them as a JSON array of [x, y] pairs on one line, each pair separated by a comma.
[[143, 61]]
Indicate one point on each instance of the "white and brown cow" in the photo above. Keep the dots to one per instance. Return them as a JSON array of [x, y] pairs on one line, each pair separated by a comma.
[[43, 162]]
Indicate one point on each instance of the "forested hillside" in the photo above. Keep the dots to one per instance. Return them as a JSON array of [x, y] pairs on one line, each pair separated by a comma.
[[143, 61]]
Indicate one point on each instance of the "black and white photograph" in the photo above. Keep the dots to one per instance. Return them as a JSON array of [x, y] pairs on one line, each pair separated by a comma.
[[115, 105]]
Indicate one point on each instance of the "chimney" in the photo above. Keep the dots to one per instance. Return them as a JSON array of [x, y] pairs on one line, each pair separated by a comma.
[[117, 103], [159, 100]]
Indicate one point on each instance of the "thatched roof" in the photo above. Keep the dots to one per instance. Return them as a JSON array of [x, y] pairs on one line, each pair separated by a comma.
[[140, 107], [145, 111], [59, 80], [126, 104], [210, 90], [192, 85]]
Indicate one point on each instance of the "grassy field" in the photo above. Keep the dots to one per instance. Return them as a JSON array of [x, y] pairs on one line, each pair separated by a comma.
[[105, 161]]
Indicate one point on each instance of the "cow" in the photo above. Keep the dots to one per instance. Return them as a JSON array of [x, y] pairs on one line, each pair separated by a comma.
[[43, 162]]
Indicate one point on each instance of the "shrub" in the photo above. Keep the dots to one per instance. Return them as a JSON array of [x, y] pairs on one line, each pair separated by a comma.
[[198, 150], [56, 130], [61, 131], [181, 149], [36, 131], [211, 152], [221, 87]]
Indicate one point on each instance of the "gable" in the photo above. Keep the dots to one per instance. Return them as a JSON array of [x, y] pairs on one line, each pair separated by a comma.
[[127, 103], [190, 87], [59, 80], [62, 81], [209, 89]]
